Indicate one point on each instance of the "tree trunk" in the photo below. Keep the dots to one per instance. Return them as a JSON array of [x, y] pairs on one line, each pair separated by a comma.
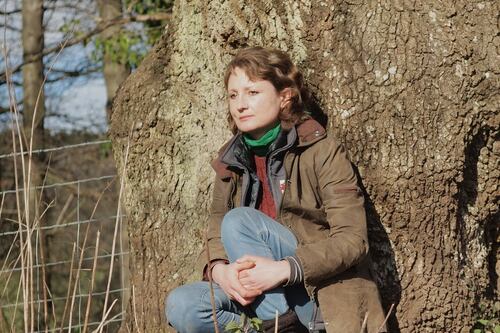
[[411, 88], [114, 73], [34, 135], [33, 95]]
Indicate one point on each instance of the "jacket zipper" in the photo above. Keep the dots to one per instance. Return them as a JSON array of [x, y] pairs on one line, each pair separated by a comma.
[[280, 209]]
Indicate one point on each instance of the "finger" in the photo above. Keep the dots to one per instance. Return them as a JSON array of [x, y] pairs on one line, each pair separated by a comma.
[[246, 293], [238, 298], [242, 291], [245, 265], [243, 274], [243, 300], [249, 300], [246, 257], [247, 283], [250, 286]]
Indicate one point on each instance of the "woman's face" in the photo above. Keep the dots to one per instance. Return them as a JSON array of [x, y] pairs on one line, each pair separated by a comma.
[[254, 105]]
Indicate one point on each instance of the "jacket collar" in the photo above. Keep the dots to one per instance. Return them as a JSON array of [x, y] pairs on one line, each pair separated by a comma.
[[308, 132]]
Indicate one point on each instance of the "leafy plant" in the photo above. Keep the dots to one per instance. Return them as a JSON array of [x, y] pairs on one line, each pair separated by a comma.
[[491, 325], [153, 29], [123, 48], [487, 326], [244, 325]]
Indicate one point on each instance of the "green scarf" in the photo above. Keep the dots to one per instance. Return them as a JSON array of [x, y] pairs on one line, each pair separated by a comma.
[[261, 145]]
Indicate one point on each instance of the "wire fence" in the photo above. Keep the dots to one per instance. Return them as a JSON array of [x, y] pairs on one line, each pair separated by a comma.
[[73, 242]]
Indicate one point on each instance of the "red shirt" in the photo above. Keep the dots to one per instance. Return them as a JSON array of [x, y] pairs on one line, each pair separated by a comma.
[[266, 202]]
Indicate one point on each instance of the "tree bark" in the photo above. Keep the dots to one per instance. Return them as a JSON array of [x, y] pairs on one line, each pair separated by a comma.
[[411, 88], [114, 72], [33, 95]]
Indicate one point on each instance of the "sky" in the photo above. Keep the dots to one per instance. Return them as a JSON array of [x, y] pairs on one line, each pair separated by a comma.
[[72, 104]]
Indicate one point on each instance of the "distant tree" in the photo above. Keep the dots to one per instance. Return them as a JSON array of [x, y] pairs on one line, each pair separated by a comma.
[[34, 136], [114, 70], [122, 49], [33, 72], [120, 39]]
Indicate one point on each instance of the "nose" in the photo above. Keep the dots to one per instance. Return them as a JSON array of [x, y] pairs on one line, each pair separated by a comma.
[[241, 103]]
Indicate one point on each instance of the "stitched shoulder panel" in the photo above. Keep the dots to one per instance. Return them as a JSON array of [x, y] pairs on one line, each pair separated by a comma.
[[309, 131]]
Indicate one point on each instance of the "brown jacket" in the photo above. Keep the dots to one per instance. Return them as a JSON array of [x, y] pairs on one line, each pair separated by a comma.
[[323, 206]]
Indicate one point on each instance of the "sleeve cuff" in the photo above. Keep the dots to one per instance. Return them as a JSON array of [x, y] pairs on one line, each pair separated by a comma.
[[208, 268], [296, 271]]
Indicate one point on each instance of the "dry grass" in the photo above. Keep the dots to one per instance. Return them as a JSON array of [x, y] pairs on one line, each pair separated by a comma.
[[27, 245]]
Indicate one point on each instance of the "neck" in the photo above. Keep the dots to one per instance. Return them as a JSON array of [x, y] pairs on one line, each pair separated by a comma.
[[260, 145]]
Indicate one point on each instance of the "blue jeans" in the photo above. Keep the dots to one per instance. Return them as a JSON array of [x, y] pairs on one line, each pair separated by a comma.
[[244, 230]]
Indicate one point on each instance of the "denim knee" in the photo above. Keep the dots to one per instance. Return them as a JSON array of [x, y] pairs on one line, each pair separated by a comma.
[[181, 310], [238, 221]]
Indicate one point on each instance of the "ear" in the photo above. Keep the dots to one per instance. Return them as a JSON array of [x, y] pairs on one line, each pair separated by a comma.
[[286, 96]]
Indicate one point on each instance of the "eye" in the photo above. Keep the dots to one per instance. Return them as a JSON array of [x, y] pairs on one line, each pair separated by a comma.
[[253, 92], [232, 96]]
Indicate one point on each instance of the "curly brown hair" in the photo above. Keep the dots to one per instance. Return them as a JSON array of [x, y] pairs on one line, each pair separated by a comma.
[[276, 67]]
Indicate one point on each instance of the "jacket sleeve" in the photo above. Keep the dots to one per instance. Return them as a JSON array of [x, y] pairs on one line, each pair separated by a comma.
[[343, 202], [218, 209]]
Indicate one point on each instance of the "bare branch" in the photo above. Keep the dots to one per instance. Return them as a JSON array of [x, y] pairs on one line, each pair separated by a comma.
[[13, 82], [14, 11], [98, 29], [4, 109], [160, 16], [74, 73], [10, 27]]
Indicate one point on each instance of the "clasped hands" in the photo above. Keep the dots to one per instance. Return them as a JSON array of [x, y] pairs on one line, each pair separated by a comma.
[[250, 276]]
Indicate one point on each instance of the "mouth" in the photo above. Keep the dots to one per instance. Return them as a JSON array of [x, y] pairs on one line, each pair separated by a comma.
[[243, 118]]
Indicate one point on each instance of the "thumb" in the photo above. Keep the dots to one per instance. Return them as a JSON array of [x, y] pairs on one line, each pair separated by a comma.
[[246, 257]]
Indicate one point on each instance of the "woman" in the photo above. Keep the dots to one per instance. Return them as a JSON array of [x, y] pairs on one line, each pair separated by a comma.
[[287, 230]]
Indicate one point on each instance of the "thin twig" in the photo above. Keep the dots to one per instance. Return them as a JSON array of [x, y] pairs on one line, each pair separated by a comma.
[[69, 288], [82, 252], [365, 321], [13, 109], [60, 218], [15, 308], [276, 322], [134, 309], [44, 278], [13, 265], [103, 322], [91, 288], [118, 211], [210, 283], [1, 204], [386, 318], [54, 319], [42, 255]]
